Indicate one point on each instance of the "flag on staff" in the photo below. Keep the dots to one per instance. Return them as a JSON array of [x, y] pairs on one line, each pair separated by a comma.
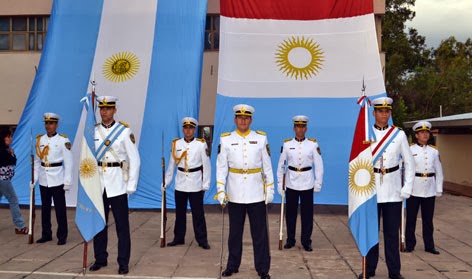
[[90, 213], [362, 193]]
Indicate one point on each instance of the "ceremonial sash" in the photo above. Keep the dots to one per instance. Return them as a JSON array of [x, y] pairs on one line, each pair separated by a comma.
[[384, 142], [109, 140]]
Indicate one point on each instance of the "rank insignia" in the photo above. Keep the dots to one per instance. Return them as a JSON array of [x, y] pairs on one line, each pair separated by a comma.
[[319, 150], [131, 137], [219, 148], [67, 144], [268, 149], [207, 151]]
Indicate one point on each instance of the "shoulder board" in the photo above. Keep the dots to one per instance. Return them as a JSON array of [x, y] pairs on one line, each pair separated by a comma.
[[225, 134], [261, 132], [176, 139], [40, 135], [312, 139], [98, 123], [397, 127], [411, 144], [124, 124], [433, 146], [62, 135], [286, 140], [201, 140]]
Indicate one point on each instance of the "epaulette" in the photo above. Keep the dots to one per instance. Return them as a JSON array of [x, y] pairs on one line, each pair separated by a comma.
[[433, 146], [201, 140], [286, 140], [124, 124], [411, 144], [62, 135], [312, 139], [261, 132], [176, 139], [40, 135], [225, 134], [98, 124], [399, 128]]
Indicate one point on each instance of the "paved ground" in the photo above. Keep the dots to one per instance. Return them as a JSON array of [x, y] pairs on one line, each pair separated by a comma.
[[335, 254]]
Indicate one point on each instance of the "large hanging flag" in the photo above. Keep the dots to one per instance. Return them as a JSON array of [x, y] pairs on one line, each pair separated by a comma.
[[147, 53], [291, 57], [90, 214], [363, 220]]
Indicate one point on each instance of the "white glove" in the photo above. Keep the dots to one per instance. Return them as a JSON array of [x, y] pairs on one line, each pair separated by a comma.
[[222, 198], [269, 197], [66, 187], [206, 187], [438, 194], [317, 188], [130, 192], [279, 189], [404, 194]]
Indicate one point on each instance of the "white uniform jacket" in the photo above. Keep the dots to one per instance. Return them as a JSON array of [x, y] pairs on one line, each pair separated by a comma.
[[122, 149], [390, 185], [52, 151], [299, 155], [242, 161], [427, 163], [189, 156]]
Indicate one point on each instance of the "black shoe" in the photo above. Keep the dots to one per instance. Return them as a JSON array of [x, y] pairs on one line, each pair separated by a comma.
[[264, 275], [44, 239], [205, 246], [308, 248], [288, 245], [432, 251], [96, 266], [399, 276], [61, 242], [409, 250], [175, 243], [228, 272], [123, 269], [368, 275]]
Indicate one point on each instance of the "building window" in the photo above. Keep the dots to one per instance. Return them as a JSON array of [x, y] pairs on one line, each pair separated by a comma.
[[23, 33], [212, 32]]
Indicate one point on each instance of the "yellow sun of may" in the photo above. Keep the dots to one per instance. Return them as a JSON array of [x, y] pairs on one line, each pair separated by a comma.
[[309, 49], [121, 66]]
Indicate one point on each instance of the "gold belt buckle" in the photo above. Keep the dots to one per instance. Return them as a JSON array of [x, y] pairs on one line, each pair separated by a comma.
[[424, 175], [383, 171], [47, 164], [299, 169], [244, 171]]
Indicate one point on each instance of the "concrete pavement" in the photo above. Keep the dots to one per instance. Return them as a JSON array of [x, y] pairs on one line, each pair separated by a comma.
[[335, 254]]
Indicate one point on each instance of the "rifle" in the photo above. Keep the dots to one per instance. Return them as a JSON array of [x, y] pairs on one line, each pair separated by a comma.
[[163, 200], [402, 224], [281, 232], [32, 213]]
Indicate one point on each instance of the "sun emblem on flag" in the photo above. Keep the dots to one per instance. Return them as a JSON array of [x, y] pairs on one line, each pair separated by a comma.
[[121, 66], [299, 57], [361, 177], [88, 168]]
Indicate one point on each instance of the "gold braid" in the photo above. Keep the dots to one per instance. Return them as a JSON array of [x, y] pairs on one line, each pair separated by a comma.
[[41, 153], [177, 159]]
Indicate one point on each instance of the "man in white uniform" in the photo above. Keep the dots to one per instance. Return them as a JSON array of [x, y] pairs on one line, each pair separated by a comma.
[[53, 169], [428, 185], [304, 176], [191, 157], [244, 177], [390, 147], [118, 163]]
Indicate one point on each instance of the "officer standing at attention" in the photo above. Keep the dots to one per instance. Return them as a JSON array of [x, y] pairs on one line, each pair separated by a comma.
[[301, 155], [191, 157], [53, 169], [390, 146], [427, 185], [245, 180], [118, 163]]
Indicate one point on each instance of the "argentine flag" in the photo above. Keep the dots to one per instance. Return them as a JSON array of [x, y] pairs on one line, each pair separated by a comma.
[[90, 214], [292, 57], [148, 53]]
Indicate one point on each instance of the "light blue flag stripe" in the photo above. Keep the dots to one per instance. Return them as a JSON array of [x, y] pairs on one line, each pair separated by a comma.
[[364, 225]]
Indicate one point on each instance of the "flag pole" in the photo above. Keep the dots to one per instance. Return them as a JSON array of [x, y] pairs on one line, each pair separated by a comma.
[[364, 268]]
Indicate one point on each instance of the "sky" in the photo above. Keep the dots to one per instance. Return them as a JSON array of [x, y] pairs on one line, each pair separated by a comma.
[[439, 19]]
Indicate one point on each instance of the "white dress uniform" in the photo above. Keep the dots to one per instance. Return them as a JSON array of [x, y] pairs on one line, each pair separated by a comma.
[[55, 166], [428, 184], [242, 162], [195, 157], [122, 149], [300, 155]]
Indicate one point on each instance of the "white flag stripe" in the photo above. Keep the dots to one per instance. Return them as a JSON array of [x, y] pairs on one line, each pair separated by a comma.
[[355, 200], [126, 28], [346, 44]]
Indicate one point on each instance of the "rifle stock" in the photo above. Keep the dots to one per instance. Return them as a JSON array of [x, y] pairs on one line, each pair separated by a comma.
[[163, 207]]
